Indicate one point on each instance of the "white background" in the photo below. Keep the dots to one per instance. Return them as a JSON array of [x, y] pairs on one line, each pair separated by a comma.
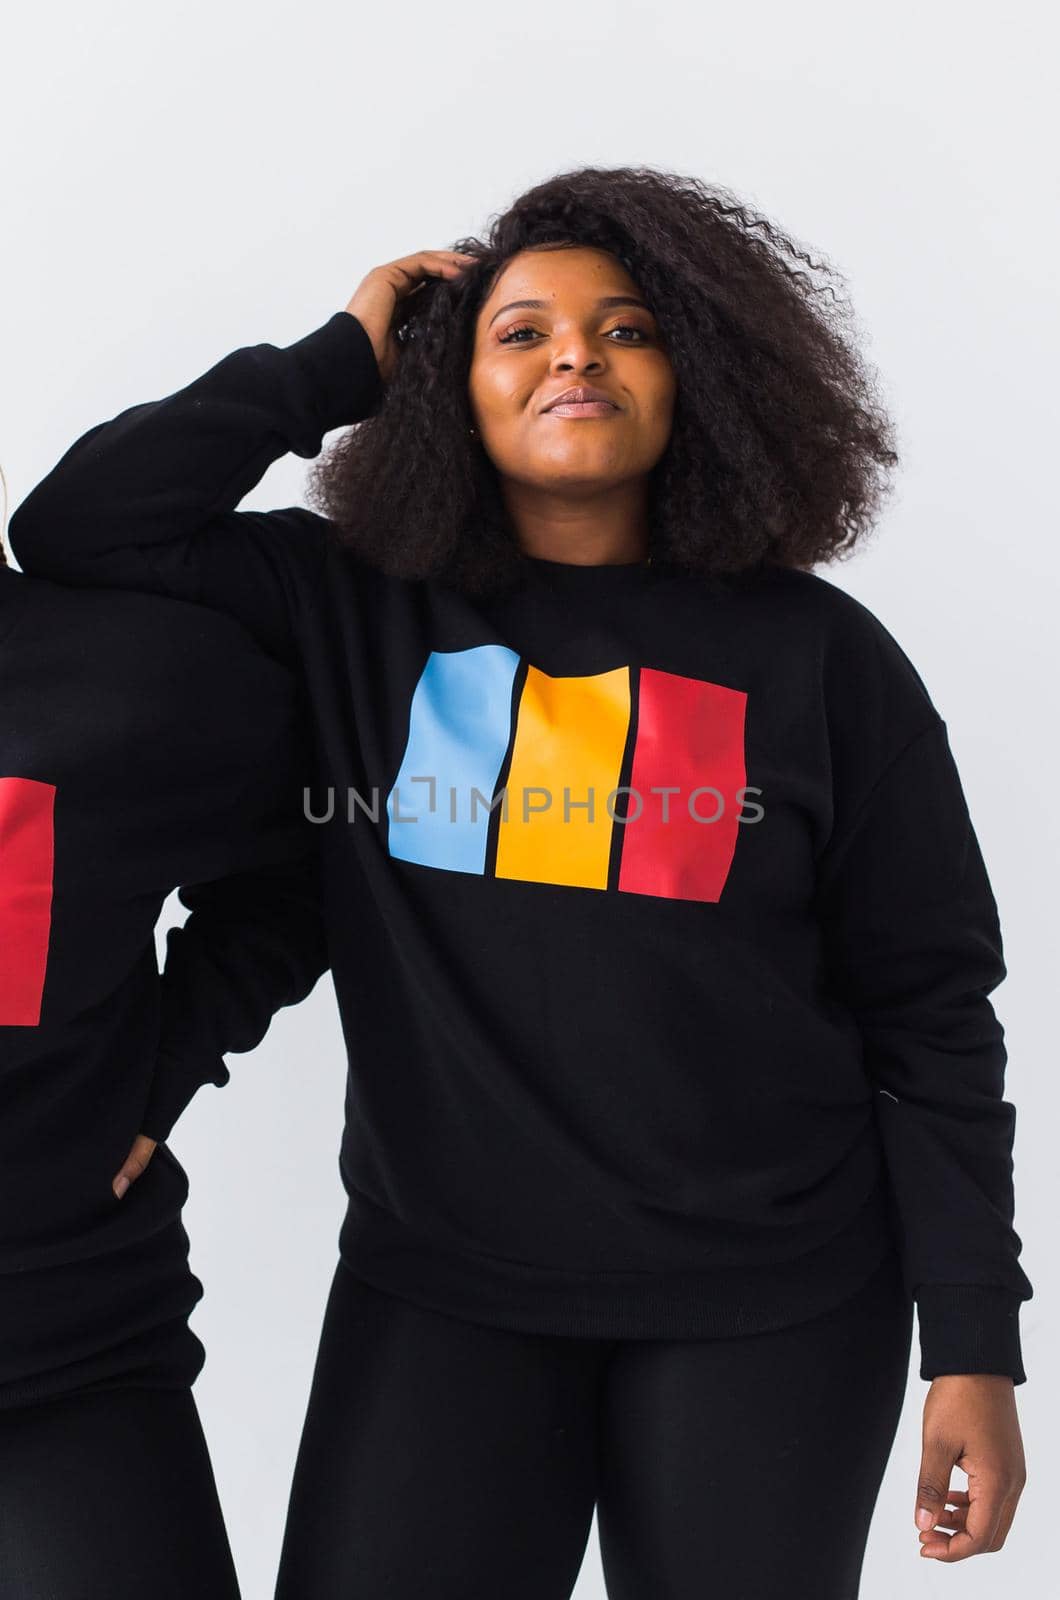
[[183, 180]]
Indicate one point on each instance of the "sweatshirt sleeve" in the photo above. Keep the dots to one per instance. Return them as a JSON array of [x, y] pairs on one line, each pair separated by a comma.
[[148, 499], [915, 950], [254, 942]]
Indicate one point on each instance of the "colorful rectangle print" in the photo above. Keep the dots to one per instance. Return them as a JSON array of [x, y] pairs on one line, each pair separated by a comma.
[[676, 816], [690, 737], [27, 851], [459, 727], [569, 740]]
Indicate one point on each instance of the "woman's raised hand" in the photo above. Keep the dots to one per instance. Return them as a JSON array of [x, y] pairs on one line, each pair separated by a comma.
[[376, 297]]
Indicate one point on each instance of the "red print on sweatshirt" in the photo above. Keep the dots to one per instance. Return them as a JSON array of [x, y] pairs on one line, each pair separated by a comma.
[[27, 854]]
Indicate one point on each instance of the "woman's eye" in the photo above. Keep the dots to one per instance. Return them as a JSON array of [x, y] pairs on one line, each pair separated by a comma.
[[623, 327]]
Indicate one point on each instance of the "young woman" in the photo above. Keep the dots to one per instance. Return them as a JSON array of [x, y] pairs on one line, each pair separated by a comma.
[[659, 928], [144, 744]]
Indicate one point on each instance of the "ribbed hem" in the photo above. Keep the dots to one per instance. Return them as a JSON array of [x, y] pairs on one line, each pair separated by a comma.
[[120, 1318], [344, 378], [176, 1367], [712, 1302], [967, 1327]]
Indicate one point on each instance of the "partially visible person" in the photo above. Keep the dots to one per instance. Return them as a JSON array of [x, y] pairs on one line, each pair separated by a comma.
[[145, 744]]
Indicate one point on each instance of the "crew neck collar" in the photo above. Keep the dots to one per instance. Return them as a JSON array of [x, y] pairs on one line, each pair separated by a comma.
[[591, 575]]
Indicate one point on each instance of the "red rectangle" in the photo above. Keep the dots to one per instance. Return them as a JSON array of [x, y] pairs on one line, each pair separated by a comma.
[[690, 737], [27, 859]]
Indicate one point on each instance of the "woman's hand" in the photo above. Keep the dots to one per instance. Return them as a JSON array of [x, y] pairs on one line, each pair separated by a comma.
[[969, 1420], [377, 296], [135, 1164]]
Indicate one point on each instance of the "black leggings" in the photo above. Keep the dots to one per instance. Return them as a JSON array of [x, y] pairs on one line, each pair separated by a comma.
[[464, 1462], [110, 1493]]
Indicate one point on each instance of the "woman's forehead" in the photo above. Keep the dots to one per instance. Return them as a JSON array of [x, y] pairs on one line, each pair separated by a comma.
[[545, 273]]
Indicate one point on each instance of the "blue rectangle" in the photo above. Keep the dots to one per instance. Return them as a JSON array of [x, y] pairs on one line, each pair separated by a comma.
[[459, 730]]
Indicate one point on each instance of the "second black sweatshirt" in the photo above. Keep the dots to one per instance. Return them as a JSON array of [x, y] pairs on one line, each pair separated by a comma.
[[144, 744]]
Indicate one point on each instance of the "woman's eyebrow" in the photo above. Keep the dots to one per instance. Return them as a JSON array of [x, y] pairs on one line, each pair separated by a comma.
[[541, 305]]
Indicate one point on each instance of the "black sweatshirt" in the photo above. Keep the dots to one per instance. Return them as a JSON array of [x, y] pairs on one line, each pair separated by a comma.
[[616, 1068], [144, 744]]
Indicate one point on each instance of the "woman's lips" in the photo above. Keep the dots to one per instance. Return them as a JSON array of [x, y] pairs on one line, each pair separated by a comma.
[[582, 408]]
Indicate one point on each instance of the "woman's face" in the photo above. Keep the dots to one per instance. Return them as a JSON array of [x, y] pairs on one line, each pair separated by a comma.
[[524, 356]]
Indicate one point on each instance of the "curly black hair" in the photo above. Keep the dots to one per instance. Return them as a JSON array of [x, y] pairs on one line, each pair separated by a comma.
[[779, 449]]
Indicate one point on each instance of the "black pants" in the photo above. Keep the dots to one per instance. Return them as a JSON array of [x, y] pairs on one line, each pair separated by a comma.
[[110, 1493], [462, 1462]]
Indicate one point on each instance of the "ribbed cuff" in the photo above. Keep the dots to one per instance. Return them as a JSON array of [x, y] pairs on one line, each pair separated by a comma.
[[344, 377], [966, 1327], [175, 1083]]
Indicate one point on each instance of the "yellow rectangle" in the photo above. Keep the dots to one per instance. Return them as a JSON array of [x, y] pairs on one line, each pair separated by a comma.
[[570, 735]]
